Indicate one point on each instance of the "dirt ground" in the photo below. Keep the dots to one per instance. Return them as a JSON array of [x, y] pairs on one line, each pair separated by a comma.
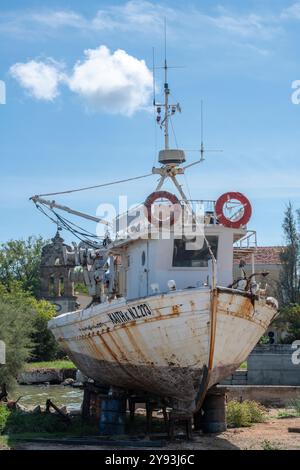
[[271, 435]]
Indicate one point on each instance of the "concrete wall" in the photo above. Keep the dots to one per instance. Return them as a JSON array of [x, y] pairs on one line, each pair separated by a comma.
[[272, 365], [268, 395]]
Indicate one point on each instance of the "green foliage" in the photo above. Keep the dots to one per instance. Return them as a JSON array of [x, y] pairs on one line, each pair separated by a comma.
[[4, 415], [268, 445], [81, 288], [264, 340], [295, 405], [16, 327], [244, 414], [289, 286], [289, 316], [244, 365], [20, 422], [57, 364], [20, 261], [23, 327]]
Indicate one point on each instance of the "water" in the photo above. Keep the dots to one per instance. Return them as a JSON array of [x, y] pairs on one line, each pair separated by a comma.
[[38, 394]]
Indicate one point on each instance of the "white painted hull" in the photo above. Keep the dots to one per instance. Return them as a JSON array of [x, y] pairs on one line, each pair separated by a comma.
[[161, 343]]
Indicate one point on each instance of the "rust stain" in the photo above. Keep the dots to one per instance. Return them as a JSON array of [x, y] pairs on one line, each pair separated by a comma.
[[176, 309], [243, 310], [134, 343], [118, 347], [109, 350]]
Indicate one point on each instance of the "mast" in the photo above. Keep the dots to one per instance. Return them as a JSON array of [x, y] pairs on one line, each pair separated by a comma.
[[166, 93]]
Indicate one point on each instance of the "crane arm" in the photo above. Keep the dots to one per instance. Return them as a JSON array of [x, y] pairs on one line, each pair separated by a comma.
[[51, 204]]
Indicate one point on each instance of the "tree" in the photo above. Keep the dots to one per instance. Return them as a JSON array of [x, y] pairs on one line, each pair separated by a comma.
[[20, 261], [290, 318], [289, 285], [16, 327], [44, 346]]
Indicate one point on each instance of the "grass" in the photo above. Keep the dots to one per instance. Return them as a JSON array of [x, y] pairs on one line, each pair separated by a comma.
[[292, 411], [4, 445], [19, 426], [59, 364], [244, 365], [245, 414], [4, 415], [268, 445]]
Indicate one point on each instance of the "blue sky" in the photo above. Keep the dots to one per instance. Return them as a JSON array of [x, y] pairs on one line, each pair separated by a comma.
[[67, 123]]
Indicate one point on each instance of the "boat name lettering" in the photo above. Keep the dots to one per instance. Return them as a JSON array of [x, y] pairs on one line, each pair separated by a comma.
[[132, 313], [92, 327]]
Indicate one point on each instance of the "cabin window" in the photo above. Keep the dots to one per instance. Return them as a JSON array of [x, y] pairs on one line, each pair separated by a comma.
[[183, 258]]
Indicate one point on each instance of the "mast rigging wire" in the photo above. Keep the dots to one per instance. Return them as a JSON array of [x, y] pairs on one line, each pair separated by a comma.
[[96, 186]]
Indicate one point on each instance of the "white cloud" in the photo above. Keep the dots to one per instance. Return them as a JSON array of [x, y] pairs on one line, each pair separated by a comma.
[[147, 17], [116, 83], [245, 26], [57, 19], [291, 12], [112, 82], [40, 79]]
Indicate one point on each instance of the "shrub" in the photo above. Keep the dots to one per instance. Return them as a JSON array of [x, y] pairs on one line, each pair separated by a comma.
[[4, 415], [295, 404], [244, 414]]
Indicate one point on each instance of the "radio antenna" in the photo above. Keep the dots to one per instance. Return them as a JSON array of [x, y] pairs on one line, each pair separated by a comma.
[[153, 74], [202, 142], [166, 92]]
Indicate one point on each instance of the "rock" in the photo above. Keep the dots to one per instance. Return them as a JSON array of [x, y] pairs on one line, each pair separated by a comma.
[[80, 377], [21, 408], [36, 410], [68, 382], [40, 376]]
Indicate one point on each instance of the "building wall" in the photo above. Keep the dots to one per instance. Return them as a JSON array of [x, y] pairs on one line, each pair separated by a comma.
[[269, 365], [271, 280]]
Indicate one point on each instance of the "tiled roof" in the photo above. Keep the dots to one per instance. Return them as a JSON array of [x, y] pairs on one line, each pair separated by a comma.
[[262, 255]]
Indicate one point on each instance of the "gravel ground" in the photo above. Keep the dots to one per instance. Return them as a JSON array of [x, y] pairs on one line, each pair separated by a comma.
[[272, 434]]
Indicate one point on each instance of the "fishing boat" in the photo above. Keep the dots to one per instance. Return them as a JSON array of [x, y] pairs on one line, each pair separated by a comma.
[[167, 317]]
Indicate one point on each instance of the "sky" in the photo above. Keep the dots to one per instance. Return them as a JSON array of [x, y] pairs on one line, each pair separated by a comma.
[[78, 79]]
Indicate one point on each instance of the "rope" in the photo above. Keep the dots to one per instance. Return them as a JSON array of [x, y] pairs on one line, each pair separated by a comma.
[[94, 187]]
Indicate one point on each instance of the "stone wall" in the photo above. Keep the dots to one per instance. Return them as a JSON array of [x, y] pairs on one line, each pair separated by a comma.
[[269, 364], [272, 365]]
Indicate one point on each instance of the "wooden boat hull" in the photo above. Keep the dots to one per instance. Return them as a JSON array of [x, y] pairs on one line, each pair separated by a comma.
[[160, 343]]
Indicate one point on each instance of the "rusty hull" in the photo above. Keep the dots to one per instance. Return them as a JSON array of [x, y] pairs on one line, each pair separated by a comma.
[[163, 352]]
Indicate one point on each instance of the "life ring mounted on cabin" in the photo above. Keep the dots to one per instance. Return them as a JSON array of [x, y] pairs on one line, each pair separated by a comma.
[[240, 206], [174, 213]]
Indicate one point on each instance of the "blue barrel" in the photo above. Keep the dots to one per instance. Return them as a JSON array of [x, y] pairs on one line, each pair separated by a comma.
[[113, 416]]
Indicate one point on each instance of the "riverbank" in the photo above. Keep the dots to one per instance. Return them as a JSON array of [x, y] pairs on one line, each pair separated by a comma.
[[52, 372], [57, 364]]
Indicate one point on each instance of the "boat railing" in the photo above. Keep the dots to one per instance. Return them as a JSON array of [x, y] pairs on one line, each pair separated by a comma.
[[202, 207], [247, 242]]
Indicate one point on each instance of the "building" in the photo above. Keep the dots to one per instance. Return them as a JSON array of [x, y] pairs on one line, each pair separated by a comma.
[[266, 259], [55, 270]]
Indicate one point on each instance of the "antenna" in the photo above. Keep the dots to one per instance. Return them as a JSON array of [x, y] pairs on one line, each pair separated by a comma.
[[166, 92], [153, 74], [165, 110], [202, 144]]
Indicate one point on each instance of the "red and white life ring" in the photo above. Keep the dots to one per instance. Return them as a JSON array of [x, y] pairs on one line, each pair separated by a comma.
[[243, 220], [175, 213]]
